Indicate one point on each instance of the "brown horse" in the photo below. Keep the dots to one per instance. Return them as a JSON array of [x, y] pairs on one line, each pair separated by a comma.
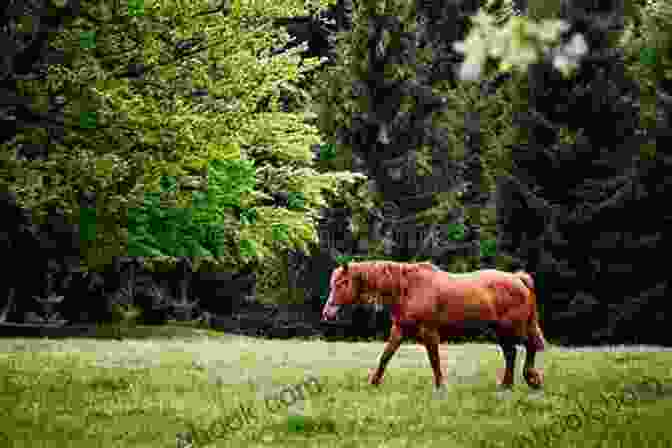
[[430, 306]]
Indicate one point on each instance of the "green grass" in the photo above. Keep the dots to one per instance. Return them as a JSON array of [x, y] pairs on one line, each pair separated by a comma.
[[143, 392]]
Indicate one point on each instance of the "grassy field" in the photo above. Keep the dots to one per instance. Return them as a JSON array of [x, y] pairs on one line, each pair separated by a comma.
[[143, 392]]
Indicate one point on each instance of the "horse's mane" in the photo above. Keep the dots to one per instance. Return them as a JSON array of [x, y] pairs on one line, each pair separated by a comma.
[[387, 270], [384, 276]]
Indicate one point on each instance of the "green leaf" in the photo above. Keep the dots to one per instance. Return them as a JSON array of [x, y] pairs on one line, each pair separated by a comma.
[[87, 40], [488, 248], [139, 248], [87, 224], [343, 259], [248, 249], [296, 201], [248, 216], [136, 8], [280, 232], [168, 183], [648, 56], [327, 152], [200, 199], [87, 120], [456, 232]]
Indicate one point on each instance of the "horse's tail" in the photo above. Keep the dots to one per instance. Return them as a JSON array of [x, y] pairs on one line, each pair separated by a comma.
[[534, 333]]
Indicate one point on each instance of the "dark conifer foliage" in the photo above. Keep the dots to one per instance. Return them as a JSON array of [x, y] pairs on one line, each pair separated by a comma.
[[589, 218]]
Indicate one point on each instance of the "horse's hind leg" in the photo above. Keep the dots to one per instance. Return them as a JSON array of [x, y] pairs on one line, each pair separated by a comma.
[[508, 345], [532, 376], [391, 347]]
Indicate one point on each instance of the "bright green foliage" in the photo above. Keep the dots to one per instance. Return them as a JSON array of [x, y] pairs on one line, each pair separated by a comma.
[[215, 155], [327, 152], [197, 231], [488, 248], [456, 231]]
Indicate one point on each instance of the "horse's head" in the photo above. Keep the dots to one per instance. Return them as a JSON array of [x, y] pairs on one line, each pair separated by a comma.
[[344, 290]]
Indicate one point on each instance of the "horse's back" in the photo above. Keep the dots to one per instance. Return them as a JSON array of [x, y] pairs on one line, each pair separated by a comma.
[[489, 276], [491, 290]]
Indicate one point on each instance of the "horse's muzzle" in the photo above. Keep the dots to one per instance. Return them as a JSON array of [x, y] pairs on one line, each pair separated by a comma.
[[329, 312]]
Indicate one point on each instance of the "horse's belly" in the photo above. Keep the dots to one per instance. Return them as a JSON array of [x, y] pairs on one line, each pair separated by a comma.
[[466, 328], [463, 313]]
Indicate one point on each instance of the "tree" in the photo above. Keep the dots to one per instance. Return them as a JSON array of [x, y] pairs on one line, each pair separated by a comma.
[[168, 133], [594, 264], [432, 147]]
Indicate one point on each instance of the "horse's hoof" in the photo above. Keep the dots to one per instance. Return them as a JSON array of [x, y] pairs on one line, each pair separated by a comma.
[[535, 384], [503, 394], [441, 391], [534, 378], [504, 382]]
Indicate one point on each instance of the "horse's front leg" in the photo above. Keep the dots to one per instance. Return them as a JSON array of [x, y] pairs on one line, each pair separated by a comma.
[[391, 347], [533, 377], [431, 339]]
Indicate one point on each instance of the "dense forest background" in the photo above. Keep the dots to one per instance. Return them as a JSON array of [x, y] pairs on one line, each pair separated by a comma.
[[164, 160]]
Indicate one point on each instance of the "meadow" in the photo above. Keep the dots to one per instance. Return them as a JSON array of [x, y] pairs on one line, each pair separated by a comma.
[[176, 387]]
